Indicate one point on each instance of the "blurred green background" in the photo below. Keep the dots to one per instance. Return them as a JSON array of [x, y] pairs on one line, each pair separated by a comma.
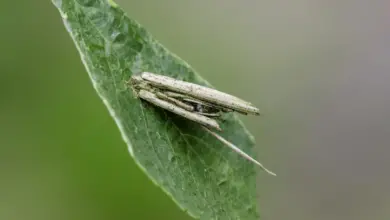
[[319, 70]]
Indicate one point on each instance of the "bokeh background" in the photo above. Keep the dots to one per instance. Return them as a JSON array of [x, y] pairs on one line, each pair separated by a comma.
[[319, 70]]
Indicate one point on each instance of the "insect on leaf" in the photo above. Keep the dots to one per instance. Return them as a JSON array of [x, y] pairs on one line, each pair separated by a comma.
[[197, 171]]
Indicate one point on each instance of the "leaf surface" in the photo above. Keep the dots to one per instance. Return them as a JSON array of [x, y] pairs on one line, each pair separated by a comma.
[[204, 177]]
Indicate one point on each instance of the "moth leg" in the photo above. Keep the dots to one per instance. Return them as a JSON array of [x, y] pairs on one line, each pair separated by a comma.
[[198, 106], [189, 99], [207, 104], [175, 101], [214, 115]]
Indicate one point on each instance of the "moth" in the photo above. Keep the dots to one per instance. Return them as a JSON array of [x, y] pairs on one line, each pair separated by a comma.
[[194, 102]]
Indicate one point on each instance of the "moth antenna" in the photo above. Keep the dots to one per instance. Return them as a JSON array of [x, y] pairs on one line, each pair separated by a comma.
[[238, 150]]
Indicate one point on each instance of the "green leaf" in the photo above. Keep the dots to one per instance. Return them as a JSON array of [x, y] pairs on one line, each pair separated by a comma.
[[204, 177]]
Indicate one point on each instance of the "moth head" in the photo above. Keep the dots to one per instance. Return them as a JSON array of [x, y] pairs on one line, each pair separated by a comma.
[[135, 80]]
